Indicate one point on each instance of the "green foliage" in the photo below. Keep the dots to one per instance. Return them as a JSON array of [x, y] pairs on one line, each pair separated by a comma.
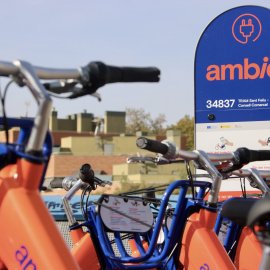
[[126, 186], [186, 125], [139, 120]]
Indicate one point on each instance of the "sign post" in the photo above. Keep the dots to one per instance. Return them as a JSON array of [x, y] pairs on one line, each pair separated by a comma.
[[232, 85]]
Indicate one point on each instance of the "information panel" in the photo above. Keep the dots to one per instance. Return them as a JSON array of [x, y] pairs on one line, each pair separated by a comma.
[[232, 84]]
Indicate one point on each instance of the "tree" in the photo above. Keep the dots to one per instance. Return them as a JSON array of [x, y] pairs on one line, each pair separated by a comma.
[[186, 125], [157, 125], [139, 120]]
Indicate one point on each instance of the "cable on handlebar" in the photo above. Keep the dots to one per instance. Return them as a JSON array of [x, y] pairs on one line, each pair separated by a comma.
[[3, 98], [243, 187], [190, 178], [84, 205]]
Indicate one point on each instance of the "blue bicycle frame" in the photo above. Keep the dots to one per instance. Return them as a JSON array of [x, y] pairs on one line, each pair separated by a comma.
[[156, 255], [9, 152]]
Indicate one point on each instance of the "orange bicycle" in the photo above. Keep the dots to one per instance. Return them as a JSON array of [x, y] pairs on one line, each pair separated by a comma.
[[29, 238], [190, 241], [255, 216]]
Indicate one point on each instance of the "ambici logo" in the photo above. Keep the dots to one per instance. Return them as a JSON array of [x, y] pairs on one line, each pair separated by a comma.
[[245, 70], [246, 28]]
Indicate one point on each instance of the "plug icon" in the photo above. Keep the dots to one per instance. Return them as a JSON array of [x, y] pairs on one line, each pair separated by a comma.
[[246, 29]]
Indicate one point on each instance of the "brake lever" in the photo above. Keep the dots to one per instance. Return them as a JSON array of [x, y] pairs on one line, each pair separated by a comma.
[[102, 183], [160, 160], [141, 159], [96, 95], [60, 86], [86, 90], [77, 92], [68, 86]]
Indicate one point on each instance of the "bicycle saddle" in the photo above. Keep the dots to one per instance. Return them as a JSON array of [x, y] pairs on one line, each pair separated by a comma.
[[237, 209], [260, 212]]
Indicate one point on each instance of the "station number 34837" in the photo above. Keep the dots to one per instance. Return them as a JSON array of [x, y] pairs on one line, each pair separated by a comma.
[[220, 103]]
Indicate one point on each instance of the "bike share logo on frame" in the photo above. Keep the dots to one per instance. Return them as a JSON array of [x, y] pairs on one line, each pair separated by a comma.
[[246, 29], [205, 267], [22, 256]]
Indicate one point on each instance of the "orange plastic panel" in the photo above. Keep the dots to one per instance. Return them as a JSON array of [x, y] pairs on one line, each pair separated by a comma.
[[29, 236], [85, 254], [135, 251], [249, 251], [201, 248]]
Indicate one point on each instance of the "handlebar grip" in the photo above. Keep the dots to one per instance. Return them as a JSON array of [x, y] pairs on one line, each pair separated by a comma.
[[132, 74], [87, 175], [56, 183], [151, 145], [100, 74], [247, 155]]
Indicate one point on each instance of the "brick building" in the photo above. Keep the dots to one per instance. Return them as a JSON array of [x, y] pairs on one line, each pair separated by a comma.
[[76, 141]]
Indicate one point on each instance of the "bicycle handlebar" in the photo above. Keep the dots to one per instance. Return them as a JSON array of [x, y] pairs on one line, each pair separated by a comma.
[[235, 160], [241, 156], [86, 177], [91, 77], [98, 73], [8, 68], [248, 172], [170, 150]]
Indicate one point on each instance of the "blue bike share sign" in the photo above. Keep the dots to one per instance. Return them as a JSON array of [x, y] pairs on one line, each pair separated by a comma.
[[232, 82]]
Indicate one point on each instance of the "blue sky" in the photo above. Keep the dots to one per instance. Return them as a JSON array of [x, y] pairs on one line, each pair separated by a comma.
[[69, 34]]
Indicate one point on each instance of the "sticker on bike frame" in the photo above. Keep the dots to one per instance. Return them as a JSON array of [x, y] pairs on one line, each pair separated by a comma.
[[204, 267], [120, 214], [22, 256]]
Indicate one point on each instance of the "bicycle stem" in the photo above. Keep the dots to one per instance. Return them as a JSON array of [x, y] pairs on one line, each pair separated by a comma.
[[216, 176], [66, 204], [41, 122], [256, 177]]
